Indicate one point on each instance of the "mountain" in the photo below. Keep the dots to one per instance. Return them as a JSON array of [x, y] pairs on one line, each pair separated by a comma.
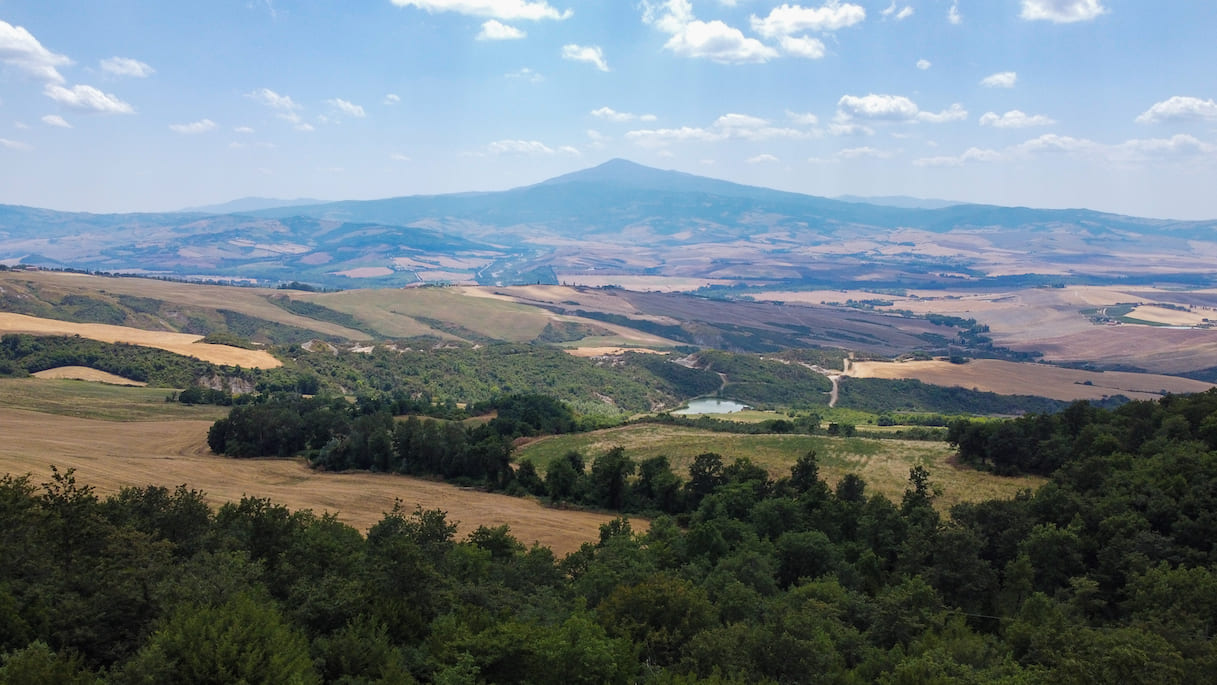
[[252, 204], [619, 219], [899, 201]]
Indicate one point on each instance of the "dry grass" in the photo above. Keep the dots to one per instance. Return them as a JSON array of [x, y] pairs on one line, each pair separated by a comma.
[[884, 464], [84, 373], [111, 455], [604, 351], [178, 343], [1165, 315], [249, 301], [393, 312], [88, 400], [1013, 378]]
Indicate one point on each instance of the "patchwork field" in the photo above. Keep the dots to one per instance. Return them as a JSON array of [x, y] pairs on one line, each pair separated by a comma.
[[84, 373], [1013, 378], [178, 343], [110, 455], [884, 464]]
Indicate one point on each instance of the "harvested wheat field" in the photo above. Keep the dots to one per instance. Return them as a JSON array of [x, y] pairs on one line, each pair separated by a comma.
[[110, 455], [1014, 378], [178, 343], [84, 373]]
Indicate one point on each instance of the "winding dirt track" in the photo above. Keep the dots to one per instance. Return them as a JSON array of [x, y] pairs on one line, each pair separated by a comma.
[[110, 455]]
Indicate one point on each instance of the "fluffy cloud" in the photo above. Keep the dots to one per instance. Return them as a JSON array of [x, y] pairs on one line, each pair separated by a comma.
[[1014, 119], [193, 128], [392, 99], [719, 42], [713, 40], [87, 99], [495, 30], [972, 154], [955, 112], [865, 152], [497, 9], [244, 130], [125, 66], [787, 20], [20, 49], [802, 118], [953, 15], [55, 120], [877, 107], [348, 108], [924, 64], [610, 114], [1179, 108], [763, 159], [1004, 79], [1062, 11], [592, 54], [525, 74]]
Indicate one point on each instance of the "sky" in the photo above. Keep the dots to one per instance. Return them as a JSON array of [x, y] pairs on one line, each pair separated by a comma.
[[148, 105]]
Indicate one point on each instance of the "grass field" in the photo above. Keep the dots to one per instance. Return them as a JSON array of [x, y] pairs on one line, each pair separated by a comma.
[[178, 343], [884, 464], [1013, 378], [85, 399]]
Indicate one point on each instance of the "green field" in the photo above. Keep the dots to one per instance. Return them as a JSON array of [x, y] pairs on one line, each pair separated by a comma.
[[88, 400], [884, 464], [395, 313]]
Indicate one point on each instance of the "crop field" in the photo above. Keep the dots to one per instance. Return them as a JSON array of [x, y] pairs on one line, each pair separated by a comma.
[[89, 400], [110, 455], [178, 343], [884, 464], [1014, 378], [84, 373]]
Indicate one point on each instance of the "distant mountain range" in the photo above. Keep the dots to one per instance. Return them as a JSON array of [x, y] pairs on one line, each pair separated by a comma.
[[251, 204], [618, 219]]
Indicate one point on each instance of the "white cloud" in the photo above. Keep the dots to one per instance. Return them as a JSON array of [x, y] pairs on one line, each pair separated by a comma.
[[850, 129], [391, 99], [863, 152], [55, 120], [955, 112], [87, 99], [787, 20], [125, 66], [1179, 108], [898, 15], [727, 127], [348, 108], [719, 42], [713, 40], [399, 157], [273, 100], [1062, 11], [20, 49], [498, 9], [1179, 146], [972, 154], [570, 150], [15, 144], [924, 64], [810, 48], [526, 147], [21, 125], [525, 74], [1014, 119], [1004, 79], [877, 107], [592, 54], [304, 127], [243, 129], [193, 128], [953, 15], [802, 118], [610, 114], [495, 30], [763, 159]]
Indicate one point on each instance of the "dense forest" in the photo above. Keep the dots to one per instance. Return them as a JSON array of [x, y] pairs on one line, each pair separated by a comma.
[[1106, 574]]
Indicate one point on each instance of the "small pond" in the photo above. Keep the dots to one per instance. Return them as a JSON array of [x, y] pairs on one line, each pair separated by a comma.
[[711, 405]]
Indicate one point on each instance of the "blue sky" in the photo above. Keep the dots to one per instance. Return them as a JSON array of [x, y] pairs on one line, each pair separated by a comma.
[[138, 105]]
